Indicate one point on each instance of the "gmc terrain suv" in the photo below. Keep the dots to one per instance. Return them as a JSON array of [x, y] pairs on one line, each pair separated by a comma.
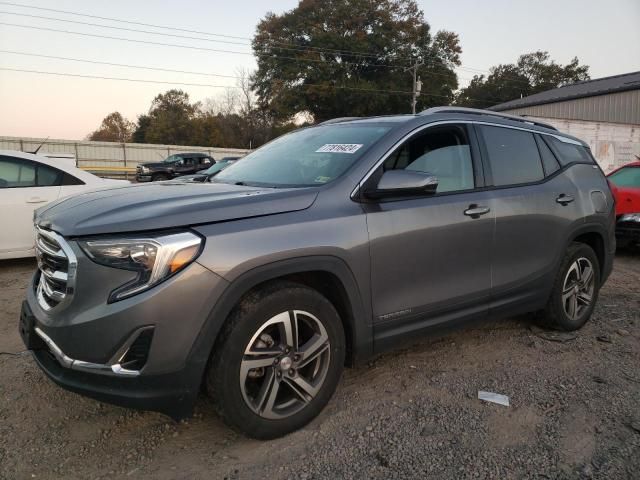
[[320, 249]]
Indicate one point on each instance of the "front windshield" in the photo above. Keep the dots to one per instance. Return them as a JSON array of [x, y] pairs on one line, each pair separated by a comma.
[[216, 167], [308, 157]]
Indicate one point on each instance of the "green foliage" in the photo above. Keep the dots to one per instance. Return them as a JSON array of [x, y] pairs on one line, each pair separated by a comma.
[[171, 114], [173, 119], [114, 128], [532, 73], [294, 76]]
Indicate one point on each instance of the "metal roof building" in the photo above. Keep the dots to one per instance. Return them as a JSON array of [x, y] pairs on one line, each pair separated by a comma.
[[605, 112]]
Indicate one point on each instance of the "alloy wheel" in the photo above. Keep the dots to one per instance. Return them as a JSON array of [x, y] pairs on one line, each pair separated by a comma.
[[285, 364], [578, 288]]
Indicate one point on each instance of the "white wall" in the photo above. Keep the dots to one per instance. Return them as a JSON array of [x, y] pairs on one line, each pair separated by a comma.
[[109, 154], [613, 144]]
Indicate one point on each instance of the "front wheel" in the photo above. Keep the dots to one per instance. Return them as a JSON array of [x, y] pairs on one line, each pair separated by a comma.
[[278, 360], [575, 289]]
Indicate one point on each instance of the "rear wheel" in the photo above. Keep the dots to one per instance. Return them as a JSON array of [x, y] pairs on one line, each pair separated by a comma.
[[278, 360], [575, 289]]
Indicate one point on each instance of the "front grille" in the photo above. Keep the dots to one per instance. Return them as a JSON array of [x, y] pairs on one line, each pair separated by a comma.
[[56, 263]]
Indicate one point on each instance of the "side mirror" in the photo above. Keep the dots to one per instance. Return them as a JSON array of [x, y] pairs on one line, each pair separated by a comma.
[[403, 183]]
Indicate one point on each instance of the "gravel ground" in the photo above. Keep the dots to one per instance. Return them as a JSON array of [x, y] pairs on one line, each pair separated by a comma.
[[414, 413]]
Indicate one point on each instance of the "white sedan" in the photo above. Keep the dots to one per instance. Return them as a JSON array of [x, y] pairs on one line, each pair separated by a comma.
[[28, 182]]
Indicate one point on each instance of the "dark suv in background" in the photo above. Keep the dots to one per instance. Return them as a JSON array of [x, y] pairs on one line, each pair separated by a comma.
[[322, 248], [173, 166]]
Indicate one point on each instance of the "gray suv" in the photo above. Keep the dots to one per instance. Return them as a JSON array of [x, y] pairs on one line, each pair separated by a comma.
[[318, 250]]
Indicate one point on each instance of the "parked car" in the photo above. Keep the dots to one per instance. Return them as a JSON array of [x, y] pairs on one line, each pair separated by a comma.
[[209, 173], [30, 181], [173, 166], [322, 248], [626, 188]]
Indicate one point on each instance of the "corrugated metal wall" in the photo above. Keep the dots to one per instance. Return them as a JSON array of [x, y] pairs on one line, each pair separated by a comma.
[[623, 107], [93, 155], [613, 144]]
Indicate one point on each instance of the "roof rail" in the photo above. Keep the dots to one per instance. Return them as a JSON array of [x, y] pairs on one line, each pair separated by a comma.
[[489, 113], [337, 120]]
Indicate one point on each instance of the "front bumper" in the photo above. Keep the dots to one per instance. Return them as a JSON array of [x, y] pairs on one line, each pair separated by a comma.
[[143, 177], [79, 347]]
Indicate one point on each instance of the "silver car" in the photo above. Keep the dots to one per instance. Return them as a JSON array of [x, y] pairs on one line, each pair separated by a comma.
[[318, 250]]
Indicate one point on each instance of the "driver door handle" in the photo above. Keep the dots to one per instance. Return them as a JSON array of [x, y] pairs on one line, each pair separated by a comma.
[[475, 211]]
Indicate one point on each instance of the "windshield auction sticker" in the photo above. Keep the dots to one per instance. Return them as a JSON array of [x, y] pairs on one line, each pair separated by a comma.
[[339, 148]]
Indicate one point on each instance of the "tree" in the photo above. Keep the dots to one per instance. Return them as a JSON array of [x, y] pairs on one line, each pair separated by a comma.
[[306, 59], [140, 133], [532, 73], [170, 118], [114, 128]]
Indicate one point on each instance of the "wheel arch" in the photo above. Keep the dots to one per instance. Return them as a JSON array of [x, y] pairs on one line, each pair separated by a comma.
[[593, 235], [327, 274]]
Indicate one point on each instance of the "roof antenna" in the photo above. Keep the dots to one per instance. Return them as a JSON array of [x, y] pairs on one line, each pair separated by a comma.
[[38, 149]]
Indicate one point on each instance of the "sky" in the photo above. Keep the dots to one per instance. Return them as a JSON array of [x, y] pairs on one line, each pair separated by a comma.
[[603, 35]]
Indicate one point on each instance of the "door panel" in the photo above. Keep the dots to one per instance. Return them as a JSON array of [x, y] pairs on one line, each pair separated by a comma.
[[427, 257], [18, 205], [531, 234]]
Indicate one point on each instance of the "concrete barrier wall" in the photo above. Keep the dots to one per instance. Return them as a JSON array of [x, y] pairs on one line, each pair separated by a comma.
[[93, 156]]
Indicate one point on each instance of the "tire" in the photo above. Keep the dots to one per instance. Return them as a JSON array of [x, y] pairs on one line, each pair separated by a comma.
[[159, 177], [303, 383], [570, 310]]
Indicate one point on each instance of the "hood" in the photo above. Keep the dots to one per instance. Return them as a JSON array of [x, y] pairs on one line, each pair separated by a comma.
[[155, 164], [166, 205]]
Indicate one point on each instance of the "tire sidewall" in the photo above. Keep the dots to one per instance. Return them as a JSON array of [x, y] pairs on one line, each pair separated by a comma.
[[250, 315], [562, 320]]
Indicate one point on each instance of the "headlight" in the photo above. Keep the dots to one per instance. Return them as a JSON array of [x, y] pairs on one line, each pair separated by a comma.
[[155, 258], [630, 217], [144, 169]]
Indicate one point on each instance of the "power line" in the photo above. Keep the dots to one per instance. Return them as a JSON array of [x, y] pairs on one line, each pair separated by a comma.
[[99, 77], [149, 42], [142, 67], [188, 84], [124, 65], [166, 27], [295, 47], [191, 47]]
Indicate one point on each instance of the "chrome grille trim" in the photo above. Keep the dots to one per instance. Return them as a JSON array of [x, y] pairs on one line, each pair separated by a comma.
[[57, 265]]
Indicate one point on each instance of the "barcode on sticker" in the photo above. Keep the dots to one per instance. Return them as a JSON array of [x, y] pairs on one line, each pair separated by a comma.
[[339, 148]]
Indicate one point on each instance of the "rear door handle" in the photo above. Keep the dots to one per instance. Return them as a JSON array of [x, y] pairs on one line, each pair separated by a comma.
[[564, 199], [474, 211], [36, 200]]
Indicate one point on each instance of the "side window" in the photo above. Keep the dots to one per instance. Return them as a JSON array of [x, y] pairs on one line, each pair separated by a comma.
[[187, 161], [440, 151], [68, 179], [513, 156], [204, 161], [17, 173], [48, 176], [549, 160], [569, 152], [626, 177]]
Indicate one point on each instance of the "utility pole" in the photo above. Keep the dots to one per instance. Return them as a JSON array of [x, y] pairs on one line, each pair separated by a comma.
[[417, 85]]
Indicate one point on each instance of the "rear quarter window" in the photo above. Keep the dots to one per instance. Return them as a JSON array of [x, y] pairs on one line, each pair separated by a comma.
[[568, 152]]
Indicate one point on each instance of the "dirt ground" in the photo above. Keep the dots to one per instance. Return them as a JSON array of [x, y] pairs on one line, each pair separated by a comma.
[[414, 413]]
